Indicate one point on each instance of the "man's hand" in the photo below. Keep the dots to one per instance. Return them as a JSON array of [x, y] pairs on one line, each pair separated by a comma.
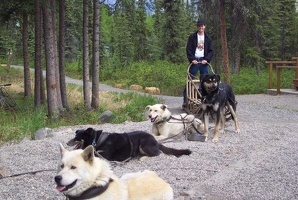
[[195, 62]]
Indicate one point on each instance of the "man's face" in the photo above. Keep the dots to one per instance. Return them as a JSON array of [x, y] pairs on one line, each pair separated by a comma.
[[201, 28]]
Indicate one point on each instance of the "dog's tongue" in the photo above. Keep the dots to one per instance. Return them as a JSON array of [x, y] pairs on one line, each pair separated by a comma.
[[76, 147], [60, 187]]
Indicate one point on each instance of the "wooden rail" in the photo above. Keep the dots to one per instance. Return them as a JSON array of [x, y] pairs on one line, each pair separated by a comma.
[[279, 68], [271, 63]]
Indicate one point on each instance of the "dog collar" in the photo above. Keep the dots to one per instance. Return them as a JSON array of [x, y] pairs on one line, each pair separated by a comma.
[[164, 120], [100, 140], [206, 98], [91, 192]]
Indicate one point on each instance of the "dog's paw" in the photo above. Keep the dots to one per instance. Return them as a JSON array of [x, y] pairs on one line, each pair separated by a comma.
[[143, 158], [215, 139], [237, 130]]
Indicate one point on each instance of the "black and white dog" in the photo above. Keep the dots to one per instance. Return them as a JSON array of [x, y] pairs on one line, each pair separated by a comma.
[[217, 96], [122, 146]]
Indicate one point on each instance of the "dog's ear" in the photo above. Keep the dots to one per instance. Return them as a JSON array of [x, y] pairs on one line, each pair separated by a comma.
[[88, 154], [218, 76], [202, 76], [148, 107], [62, 149], [163, 107], [89, 130]]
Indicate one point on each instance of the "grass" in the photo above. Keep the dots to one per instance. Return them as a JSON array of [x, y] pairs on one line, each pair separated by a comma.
[[171, 79], [25, 120]]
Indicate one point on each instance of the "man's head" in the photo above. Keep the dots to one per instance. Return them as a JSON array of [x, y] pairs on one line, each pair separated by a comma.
[[201, 25], [200, 22]]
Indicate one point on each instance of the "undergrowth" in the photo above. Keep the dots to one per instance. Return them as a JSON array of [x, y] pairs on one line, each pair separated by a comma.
[[25, 120], [171, 78]]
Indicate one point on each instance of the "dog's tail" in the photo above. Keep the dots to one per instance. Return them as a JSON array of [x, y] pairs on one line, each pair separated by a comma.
[[172, 151]]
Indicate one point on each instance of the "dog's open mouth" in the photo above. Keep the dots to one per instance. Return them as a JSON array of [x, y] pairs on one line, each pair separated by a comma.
[[76, 144], [63, 188], [212, 87], [153, 119]]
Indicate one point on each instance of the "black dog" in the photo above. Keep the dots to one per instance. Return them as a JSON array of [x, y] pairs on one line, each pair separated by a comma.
[[215, 97], [122, 146]]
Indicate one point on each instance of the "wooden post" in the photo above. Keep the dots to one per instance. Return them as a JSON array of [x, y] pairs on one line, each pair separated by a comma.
[[270, 75], [296, 59], [278, 80], [271, 63], [279, 68]]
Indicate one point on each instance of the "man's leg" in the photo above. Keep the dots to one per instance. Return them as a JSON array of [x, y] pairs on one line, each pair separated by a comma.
[[203, 69]]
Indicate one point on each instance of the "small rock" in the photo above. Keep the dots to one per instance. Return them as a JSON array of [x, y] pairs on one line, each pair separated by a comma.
[[152, 90], [105, 117], [136, 87], [42, 133]]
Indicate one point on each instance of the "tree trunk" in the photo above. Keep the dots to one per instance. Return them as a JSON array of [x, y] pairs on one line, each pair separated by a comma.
[[225, 57], [37, 60], [95, 56], [27, 81], [10, 58], [86, 86], [50, 44], [54, 22], [62, 54], [238, 61]]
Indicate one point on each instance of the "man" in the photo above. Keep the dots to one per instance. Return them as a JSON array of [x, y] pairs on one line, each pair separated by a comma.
[[199, 51]]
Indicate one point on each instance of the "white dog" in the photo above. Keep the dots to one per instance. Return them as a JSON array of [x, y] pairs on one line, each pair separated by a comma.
[[81, 175], [166, 125]]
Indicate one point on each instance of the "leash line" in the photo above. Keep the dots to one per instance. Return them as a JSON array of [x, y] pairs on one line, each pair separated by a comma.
[[24, 173]]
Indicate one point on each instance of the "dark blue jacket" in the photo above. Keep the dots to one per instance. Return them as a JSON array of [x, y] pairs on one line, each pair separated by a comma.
[[192, 45]]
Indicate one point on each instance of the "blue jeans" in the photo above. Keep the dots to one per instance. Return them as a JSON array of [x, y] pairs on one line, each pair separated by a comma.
[[193, 71]]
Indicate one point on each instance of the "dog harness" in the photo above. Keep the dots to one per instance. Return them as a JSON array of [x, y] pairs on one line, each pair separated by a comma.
[[181, 120], [91, 192], [100, 140], [210, 98], [97, 142]]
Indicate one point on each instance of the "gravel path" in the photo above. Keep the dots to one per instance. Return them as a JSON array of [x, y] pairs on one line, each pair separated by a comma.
[[259, 163]]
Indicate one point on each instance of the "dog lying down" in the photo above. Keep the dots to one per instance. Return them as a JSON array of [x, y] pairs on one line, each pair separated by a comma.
[[122, 146], [81, 175], [165, 125]]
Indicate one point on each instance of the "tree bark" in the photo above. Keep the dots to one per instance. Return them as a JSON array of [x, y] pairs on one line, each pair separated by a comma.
[[225, 57], [37, 61], [55, 50], [50, 44], [27, 80], [86, 86], [95, 56], [62, 54]]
